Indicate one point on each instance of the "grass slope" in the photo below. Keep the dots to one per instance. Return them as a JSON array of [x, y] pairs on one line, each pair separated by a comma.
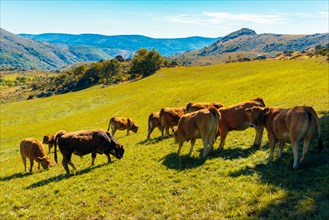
[[151, 182]]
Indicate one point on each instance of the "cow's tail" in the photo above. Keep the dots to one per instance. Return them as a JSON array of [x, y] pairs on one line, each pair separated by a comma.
[[149, 123], [187, 108], [313, 116], [108, 128], [260, 101], [58, 135], [161, 118], [216, 115]]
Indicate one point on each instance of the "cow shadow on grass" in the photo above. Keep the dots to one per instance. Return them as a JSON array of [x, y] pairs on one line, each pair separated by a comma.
[[234, 153], [306, 188], [154, 140], [182, 162], [15, 176], [64, 176]]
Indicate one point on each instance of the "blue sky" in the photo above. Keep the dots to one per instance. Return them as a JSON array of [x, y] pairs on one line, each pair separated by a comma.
[[165, 19]]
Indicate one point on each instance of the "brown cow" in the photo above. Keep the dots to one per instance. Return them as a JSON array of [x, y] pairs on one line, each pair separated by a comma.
[[235, 118], [153, 122], [200, 124], [195, 106], [120, 123], [32, 148], [169, 118], [85, 142], [50, 140], [288, 126]]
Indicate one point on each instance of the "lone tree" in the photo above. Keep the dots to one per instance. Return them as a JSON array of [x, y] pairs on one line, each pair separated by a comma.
[[146, 62], [110, 68]]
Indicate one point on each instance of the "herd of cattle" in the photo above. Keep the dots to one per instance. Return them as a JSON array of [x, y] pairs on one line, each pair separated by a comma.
[[204, 121]]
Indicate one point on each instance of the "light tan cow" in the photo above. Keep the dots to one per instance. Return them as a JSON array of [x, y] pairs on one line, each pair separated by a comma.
[[195, 106], [153, 122], [200, 124], [235, 118], [169, 118], [32, 148], [292, 125], [121, 123]]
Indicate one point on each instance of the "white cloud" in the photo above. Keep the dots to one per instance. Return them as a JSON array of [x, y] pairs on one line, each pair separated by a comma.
[[324, 14], [224, 17], [220, 17]]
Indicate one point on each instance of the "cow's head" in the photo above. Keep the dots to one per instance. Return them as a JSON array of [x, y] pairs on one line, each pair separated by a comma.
[[115, 148], [46, 139], [134, 128], [119, 151], [257, 115], [44, 161]]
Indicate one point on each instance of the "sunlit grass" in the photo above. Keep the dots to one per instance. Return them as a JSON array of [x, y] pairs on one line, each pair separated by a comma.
[[151, 182]]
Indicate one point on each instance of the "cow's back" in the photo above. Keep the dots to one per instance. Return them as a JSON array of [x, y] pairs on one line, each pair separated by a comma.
[[191, 106], [234, 117], [196, 124], [171, 116]]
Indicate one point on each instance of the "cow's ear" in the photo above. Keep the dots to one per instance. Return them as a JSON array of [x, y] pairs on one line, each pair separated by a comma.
[[266, 111], [248, 110]]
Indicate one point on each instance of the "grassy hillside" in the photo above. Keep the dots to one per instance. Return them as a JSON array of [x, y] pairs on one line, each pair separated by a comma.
[[151, 182]]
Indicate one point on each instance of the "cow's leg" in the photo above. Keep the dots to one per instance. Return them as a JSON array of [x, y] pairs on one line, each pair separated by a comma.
[[39, 166], [308, 139], [281, 145], [180, 147], [271, 139], [192, 145], [49, 149], [205, 147], [93, 157], [24, 162], [65, 163], [306, 146], [167, 130], [113, 131], [127, 131], [295, 151], [72, 165], [150, 130], [108, 158], [162, 130], [259, 135], [31, 164], [223, 135]]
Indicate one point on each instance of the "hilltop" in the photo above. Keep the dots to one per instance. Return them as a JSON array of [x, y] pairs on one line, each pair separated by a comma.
[[246, 43], [23, 53]]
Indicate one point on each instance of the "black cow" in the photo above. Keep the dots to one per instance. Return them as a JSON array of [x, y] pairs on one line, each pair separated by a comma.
[[86, 142]]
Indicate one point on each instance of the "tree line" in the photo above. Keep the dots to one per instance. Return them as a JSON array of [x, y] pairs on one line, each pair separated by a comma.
[[107, 72]]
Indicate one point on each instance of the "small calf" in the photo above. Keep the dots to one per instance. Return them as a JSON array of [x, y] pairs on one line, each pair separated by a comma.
[[32, 148]]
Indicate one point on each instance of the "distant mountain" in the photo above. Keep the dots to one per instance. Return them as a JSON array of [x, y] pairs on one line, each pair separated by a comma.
[[125, 45], [246, 42], [23, 53]]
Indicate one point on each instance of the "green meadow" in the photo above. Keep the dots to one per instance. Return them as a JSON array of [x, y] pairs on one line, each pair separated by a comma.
[[151, 181]]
